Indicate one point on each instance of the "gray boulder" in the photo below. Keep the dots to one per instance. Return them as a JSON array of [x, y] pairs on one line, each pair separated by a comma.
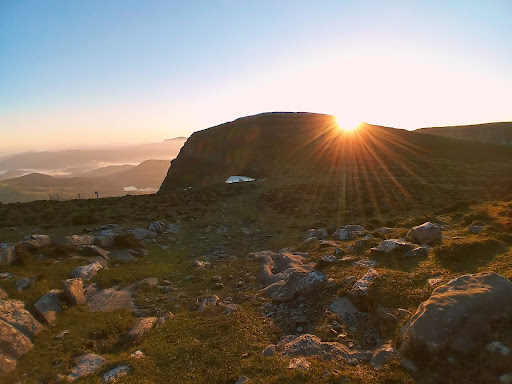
[[392, 246], [342, 306], [124, 256], [142, 233], [87, 272], [75, 240], [156, 226], [457, 314], [143, 326], [33, 242], [24, 283], [174, 228], [74, 291], [427, 233], [360, 291], [109, 299], [104, 241], [48, 306], [318, 234], [13, 345], [300, 283], [86, 365], [115, 373], [13, 312]]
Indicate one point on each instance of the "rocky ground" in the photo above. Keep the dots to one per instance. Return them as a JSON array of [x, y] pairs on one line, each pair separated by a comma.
[[217, 293]]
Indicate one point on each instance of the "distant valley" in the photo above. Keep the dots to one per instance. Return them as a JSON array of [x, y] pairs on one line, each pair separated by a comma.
[[73, 174]]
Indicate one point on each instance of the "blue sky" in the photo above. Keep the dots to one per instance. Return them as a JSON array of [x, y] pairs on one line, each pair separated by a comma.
[[86, 73]]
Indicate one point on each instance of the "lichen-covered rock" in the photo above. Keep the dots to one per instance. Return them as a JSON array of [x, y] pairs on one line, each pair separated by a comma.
[[457, 314], [13, 312], [209, 301], [426, 233], [86, 365], [115, 373], [382, 355], [123, 255], [360, 291], [142, 233], [342, 306], [109, 299], [156, 226], [392, 246], [311, 345], [300, 283], [33, 242], [143, 326], [13, 343], [87, 272], [74, 291], [48, 306], [7, 364], [75, 240]]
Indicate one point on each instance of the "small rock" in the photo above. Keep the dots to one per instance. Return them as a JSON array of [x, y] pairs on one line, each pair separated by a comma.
[[242, 380], [342, 306], [86, 365], [74, 291], [138, 354], [209, 301], [156, 226], [115, 373], [87, 272], [427, 233], [496, 346], [382, 355], [476, 229], [24, 283], [299, 363], [143, 326], [269, 350], [506, 378], [408, 364], [48, 306], [60, 335]]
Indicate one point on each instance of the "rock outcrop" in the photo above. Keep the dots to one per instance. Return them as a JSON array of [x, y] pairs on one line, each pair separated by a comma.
[[457, 314]]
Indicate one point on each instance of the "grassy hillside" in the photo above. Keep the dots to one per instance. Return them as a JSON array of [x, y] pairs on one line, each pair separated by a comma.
[[495, 133]]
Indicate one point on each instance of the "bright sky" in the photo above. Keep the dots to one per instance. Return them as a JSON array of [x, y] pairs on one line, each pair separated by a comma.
[[94, 72]]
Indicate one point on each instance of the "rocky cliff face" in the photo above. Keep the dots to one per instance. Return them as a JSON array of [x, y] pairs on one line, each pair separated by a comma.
[[305, 145]]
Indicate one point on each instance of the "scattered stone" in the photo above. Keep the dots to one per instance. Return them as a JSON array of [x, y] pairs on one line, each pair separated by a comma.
[[7, 254], [435, 280], [14, 344], [360, 292], [209, 301], [316, 234], [202, 264], [87, 272], [7, 364], [345, 235], [74, 291], [325, 261], [156, 226], [124, 256], [86, 365], [143, 326], [94, 250], [242, 380], [24, 283], [392, 246], [142, 233], [138, 354], [506, 378], [48, 306], [60, 335], [427, 233], [496, 346], [457, 314], [299, 363], [382, 355], [310, 345], [6, 275], [174, 228], [3, 295], [269, 350], [476, 229], [300, 283], [417, 252], [106, 240], [116, 373], [342, 306], [75, 240], [109, 299], [150, 281], [33, 242]]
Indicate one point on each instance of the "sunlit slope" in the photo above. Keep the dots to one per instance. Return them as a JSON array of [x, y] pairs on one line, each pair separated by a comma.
[[495, 133], [299, 146]]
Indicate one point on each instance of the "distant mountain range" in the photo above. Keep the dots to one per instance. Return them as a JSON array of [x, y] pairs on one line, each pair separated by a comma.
[[81, 160], [495, 133]]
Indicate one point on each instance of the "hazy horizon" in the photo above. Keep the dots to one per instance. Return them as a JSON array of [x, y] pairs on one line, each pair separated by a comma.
[[88, 74]]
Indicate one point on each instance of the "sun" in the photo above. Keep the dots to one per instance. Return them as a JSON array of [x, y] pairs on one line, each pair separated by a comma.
[[347, 124]]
